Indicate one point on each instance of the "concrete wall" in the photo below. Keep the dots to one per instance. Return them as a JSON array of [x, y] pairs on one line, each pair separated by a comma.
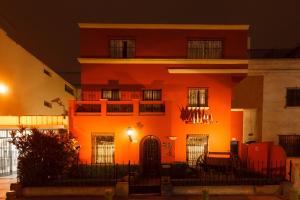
[[28, 85], [278, 75]]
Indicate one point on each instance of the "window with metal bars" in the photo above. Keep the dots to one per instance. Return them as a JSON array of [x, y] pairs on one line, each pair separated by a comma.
[[292, 97], [122, 48], [112, 95], [198, 97], [152, 95], [196, 146], [205, 49], [291, 144], [103, 149]]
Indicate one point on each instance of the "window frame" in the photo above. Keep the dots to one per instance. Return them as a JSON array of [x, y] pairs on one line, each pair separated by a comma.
[[205, 150], [119, 91], [94, 136], [222, 40], [198, 104], [161, 94], [122, 39], [297, 105]]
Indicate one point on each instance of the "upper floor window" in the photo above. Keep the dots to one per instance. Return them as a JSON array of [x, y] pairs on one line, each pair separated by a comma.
[[198, 97], [69, 90], [205, 49], [122, 48], [292, 97], [152, 95], [112, 95]]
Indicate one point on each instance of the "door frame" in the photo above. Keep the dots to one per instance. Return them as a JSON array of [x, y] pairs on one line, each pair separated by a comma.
[[142, 150]]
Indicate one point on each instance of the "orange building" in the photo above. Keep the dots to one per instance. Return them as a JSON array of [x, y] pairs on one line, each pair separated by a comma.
[[158, 93]]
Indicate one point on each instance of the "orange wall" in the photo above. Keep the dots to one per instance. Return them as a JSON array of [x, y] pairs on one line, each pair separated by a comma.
[[160, 43], [174, 88]]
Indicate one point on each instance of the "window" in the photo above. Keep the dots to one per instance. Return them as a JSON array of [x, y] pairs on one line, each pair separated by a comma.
[[103, 149], [196, 146], [112, 95], [205, 49], [69, 90], [152, 95], [122, 48], [292, 97], [198, 97], [47, 104], [291, 144], [47, 72]]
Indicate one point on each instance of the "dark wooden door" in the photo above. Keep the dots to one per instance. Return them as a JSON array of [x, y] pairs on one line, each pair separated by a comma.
[[150, 156]]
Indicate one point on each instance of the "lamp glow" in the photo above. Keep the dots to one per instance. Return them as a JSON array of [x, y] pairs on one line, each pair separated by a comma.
[[129, 133], [3, 89]]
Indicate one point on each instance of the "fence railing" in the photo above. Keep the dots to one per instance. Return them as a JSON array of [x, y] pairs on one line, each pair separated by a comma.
[[87, 175], [152, 107], [130, 107], [250, 173], [291, 144]]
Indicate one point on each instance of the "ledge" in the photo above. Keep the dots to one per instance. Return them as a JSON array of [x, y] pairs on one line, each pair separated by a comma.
[[162, 61], [207, 71], [166, 26]]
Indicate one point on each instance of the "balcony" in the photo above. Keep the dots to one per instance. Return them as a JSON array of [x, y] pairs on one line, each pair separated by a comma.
[[104, 107]]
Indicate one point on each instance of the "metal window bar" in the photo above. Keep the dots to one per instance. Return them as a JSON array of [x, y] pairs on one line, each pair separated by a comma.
[[122, 48], [104, 147], [198, 97], [205, 49], [196, 146]]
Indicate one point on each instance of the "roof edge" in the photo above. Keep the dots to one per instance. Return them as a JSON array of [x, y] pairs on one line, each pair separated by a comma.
[[165, 26]]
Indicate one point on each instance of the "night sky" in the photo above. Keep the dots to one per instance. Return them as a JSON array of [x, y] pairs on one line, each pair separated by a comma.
[[49, 30]]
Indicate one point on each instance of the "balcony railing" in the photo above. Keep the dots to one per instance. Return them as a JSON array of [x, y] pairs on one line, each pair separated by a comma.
[[148, 107], [118, 107], [105, 107], [88, 107]]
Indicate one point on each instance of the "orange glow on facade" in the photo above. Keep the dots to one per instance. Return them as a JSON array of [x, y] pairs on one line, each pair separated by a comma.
[[159, 118], [3, 88]]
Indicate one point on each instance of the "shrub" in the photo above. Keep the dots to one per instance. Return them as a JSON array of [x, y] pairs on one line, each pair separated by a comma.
[[43, 156]]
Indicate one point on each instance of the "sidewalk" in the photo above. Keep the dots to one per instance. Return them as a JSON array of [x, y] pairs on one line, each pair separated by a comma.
[[225, 197], [5, 184]]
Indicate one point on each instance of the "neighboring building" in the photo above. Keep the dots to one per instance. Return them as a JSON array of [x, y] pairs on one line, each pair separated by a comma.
[[30, 94], [155, 93], [270, 97]]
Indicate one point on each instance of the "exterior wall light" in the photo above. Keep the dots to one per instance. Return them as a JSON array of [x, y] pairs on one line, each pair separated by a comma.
[[172, 138], [129, 133], [3, 89]]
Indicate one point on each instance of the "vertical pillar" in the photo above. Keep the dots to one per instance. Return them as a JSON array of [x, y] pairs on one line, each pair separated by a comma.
[[296, 177], [103, 107], [136, 104]]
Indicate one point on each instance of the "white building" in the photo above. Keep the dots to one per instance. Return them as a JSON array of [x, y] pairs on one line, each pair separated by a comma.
[[270, 99], [31, 94]]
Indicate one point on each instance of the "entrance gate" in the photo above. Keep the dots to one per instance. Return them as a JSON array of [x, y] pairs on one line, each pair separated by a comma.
[[8, 154], [146, 179]]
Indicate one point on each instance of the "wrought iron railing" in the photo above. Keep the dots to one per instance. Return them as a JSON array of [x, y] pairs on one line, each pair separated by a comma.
[[252, 173], [119, 108], [291, 144], [152, 107]]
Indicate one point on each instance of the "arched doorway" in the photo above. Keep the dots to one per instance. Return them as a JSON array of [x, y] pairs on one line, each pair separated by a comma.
[[150, 155]]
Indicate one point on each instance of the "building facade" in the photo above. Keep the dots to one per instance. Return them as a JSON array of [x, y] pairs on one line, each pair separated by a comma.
[[270, 100], [31, 95], [154, 93]]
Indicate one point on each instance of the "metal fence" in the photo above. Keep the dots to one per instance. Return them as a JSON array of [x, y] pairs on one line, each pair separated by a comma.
[[87, 175], [250, 173], [8, 154]]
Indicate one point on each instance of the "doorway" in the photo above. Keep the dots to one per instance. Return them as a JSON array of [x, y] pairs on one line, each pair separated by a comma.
[[150, 155]]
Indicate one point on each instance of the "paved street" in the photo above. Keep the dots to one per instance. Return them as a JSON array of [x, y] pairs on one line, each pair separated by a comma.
[[5, 184], [227, 197]]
